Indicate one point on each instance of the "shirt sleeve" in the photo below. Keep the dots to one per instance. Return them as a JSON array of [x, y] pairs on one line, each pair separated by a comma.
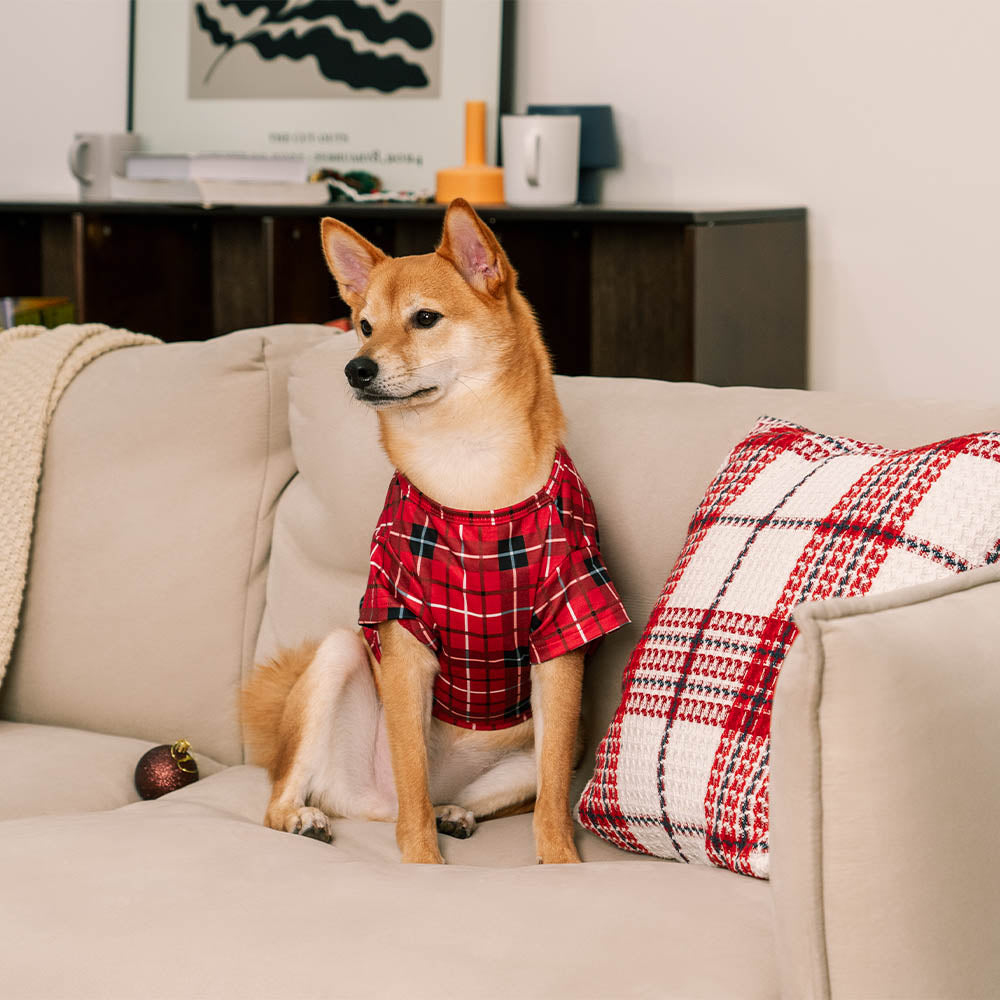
[[577, 604], [394, 593]]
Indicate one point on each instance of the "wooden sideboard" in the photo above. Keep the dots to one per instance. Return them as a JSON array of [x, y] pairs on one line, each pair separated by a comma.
[[710, 296]]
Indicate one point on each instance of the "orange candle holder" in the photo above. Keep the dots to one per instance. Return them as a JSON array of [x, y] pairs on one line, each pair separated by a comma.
[[475, 182]]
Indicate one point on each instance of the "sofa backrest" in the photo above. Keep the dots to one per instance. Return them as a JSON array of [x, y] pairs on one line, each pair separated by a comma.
[[146, 582], [167, 466], [646, 449]]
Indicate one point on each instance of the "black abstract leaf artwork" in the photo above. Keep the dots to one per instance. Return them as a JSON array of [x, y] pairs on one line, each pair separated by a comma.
[[335, 56], [213, 29], [246, 8]]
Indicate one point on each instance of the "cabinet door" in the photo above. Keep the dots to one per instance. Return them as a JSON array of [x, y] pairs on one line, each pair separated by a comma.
[[151, 274], [301, 286], [641, 301], [20, 254], [750, 303], [552, 260], [241, 293]]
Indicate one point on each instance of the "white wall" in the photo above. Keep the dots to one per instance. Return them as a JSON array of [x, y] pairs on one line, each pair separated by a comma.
[[63, 69], [879, 116]]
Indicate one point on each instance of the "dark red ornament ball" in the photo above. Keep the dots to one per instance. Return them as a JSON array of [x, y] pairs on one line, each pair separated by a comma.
[[165, 769]]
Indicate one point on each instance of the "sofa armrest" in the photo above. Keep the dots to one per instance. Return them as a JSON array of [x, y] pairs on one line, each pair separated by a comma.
[[885, 795]]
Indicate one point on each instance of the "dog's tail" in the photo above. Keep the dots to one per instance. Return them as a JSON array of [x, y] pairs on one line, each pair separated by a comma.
[[264, 698]]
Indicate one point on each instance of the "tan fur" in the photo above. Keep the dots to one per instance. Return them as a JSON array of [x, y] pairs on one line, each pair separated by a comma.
[[519, 396], [406, 676], [468, 411], [556, 687], [264, 701], [518, 810]]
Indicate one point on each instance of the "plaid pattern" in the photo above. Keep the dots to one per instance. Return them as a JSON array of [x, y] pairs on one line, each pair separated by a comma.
[[492, 592], [792, 516]]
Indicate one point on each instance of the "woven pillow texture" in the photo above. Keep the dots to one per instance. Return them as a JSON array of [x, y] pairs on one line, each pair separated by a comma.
[[792, 516]]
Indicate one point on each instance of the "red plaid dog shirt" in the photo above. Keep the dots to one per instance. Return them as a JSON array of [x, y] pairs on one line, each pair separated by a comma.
[[491, 592]]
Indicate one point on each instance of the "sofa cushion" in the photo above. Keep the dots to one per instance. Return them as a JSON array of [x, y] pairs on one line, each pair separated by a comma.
[[325, 519], [52, 770], [244, 791], [792, 516], [36, 365], [147, 572], [186, 896]]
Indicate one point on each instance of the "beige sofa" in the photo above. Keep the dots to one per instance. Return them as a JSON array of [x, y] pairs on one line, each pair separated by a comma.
[[199, 508]]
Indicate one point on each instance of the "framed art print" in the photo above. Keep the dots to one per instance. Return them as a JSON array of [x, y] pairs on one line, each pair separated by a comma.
[[376, 85]]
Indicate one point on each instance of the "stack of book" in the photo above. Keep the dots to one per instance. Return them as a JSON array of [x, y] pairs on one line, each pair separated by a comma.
[[218, 179], [35, 311]]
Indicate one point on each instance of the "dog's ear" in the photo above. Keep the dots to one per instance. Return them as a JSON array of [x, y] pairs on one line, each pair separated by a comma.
[[471, 247], [350, 258]]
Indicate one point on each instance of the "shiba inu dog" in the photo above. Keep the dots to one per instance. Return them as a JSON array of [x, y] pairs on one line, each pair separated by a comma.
[[459, 699]]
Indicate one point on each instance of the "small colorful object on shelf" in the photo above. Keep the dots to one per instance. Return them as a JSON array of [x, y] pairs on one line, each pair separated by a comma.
[[165, 769], [359, 181], [359, 185]]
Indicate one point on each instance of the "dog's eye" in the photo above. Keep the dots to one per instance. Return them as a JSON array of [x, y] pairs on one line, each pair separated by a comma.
[[366, 328], [426, 318]]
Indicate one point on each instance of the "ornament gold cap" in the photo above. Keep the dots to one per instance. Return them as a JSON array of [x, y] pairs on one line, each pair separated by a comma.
[[180, 751]]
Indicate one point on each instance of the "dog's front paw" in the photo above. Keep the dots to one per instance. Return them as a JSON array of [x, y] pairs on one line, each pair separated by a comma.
[[554, 841], [455, 821], [309, 822], [558, 854], [420, 852], [418, 843]]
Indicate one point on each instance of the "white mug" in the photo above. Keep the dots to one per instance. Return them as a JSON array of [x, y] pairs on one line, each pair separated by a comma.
[[541, 159], [95, 156]]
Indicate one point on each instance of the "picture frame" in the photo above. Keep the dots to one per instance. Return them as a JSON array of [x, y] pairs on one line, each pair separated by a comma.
[[372, 85]]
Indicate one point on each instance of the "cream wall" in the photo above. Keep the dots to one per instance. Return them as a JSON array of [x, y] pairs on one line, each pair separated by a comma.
[[879, 116], [63, 69]]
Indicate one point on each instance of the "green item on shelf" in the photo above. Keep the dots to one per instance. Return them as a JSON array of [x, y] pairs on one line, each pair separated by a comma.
[[362, 182], [24, 310]]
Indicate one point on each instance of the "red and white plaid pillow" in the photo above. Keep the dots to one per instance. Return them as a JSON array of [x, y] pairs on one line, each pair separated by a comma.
[[792, 516]]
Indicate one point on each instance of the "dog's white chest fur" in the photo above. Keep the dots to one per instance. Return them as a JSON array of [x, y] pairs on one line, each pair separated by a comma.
[[470, 467]]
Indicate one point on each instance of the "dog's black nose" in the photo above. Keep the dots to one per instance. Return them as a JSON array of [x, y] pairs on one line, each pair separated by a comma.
[[361, 372]]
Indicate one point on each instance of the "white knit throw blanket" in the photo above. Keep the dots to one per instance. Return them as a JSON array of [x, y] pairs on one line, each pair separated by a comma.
[[36, 365]]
